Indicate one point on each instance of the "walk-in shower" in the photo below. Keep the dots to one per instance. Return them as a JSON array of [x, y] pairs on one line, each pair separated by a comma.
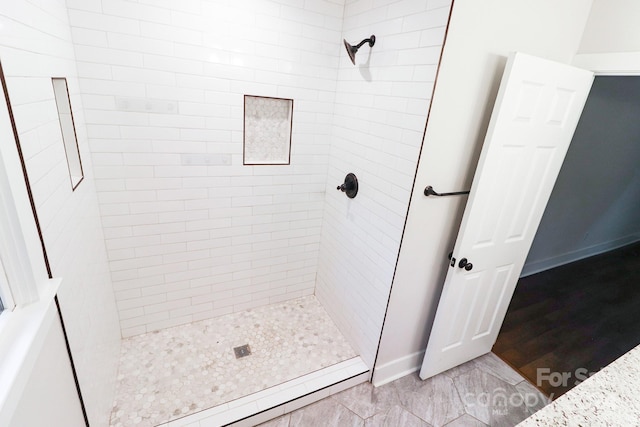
[[205, 216]]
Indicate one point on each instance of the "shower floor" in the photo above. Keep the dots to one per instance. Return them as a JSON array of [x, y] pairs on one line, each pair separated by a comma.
[[169, 374]]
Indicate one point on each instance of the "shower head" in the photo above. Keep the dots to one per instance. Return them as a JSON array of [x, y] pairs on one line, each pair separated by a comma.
[[351, 50]]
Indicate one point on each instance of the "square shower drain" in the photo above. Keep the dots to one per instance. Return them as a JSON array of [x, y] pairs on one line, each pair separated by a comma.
[[242, 351]]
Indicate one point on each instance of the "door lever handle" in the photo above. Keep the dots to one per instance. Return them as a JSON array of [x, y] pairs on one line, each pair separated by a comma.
[[429, 191]]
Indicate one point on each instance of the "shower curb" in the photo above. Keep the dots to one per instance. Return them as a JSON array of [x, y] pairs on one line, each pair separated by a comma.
[[279, 400]]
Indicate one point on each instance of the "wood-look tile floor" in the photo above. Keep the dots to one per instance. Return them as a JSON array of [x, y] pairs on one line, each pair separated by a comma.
[[482, 392], [568, 322]]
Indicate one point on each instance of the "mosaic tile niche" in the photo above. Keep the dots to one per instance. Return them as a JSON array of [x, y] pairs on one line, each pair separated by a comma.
[[267, 130]]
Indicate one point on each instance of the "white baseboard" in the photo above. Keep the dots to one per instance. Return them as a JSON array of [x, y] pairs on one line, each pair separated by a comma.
[[557, 261], [398, 368]]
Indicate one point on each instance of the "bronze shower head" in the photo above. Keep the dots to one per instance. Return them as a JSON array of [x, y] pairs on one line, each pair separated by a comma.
[[351, 50]]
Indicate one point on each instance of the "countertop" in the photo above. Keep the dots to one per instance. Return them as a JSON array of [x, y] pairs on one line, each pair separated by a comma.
[[611, 397]]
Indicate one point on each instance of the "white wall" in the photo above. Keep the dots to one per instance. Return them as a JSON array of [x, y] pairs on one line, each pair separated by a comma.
[[189, 242], [380, 112], [49, 397], [611, 44], [35, 46], [612, 27], [480, 36]]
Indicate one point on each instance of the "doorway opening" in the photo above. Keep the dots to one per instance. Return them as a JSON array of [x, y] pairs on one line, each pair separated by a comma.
[[574, 310], [567, 323]]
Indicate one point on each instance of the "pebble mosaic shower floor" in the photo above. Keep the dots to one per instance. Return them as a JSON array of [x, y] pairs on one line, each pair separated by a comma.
[[168, 374]]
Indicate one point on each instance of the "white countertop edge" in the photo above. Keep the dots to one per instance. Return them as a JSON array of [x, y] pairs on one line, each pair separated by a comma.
[[22, 335]]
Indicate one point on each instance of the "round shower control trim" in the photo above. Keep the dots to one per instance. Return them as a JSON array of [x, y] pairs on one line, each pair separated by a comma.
[[349, 186]]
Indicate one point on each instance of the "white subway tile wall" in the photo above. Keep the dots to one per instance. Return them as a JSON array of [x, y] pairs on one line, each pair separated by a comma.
[[190, 232], [35, 46], [380, 113]]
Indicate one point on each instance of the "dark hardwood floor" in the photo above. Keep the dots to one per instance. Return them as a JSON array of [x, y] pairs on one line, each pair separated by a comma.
[[573, 320]]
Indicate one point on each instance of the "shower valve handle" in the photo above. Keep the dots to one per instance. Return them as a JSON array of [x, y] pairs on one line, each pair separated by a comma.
[[349, 186]]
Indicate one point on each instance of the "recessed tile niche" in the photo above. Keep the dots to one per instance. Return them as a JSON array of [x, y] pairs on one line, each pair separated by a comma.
[[267, 130], [68, 128]]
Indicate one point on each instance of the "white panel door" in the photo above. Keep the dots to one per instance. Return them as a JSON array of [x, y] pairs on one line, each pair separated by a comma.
[[534, 117]]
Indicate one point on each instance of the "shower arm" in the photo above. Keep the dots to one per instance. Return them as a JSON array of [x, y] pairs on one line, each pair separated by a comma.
[[369, 40]]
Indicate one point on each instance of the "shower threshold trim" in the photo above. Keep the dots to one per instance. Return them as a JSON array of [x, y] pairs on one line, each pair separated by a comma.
[[276, 401]]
